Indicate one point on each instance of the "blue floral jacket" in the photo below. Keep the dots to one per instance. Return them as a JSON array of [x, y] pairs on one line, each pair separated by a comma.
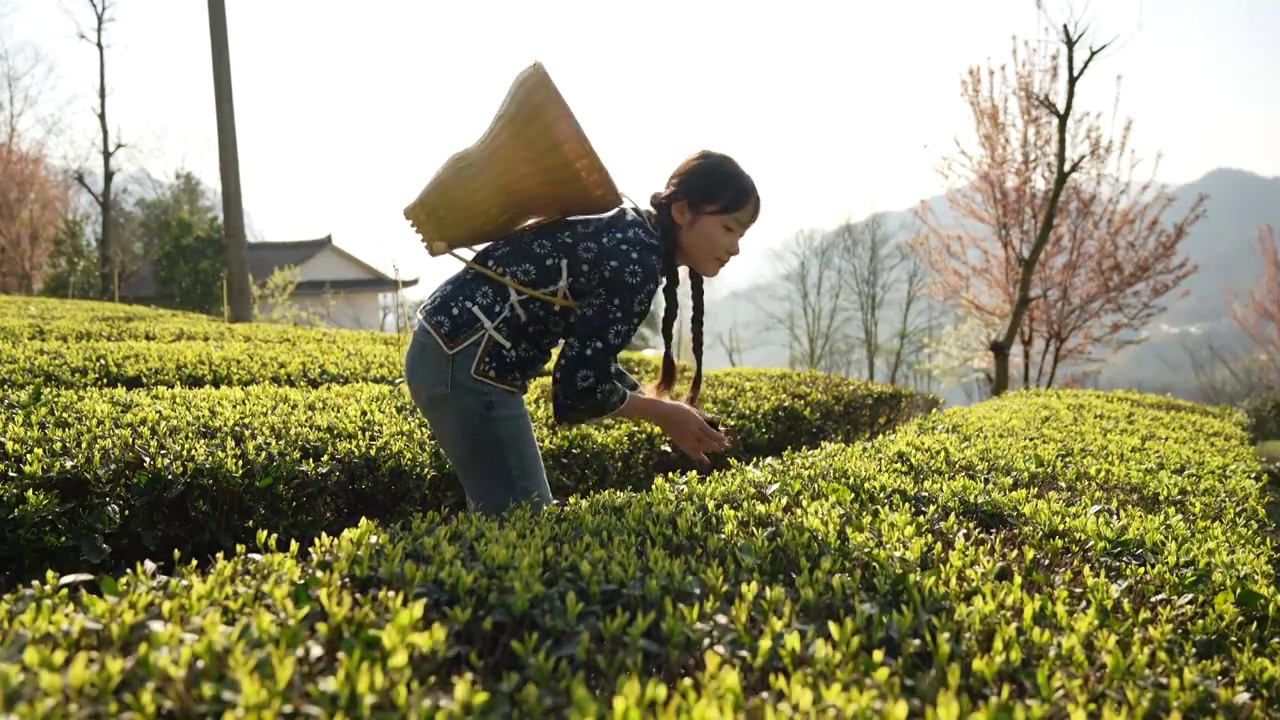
[[611, 266]]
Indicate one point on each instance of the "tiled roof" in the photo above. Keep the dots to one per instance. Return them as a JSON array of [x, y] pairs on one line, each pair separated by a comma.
[[265, 257]]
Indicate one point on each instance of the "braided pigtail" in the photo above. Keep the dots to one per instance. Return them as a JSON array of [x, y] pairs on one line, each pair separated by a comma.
[[670, 292], [695, 330], [711, 183]]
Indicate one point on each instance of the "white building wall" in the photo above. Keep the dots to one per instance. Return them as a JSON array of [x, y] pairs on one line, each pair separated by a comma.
[[350, 310]]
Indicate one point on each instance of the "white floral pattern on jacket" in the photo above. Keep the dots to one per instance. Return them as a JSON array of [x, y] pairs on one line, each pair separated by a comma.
[[611, 267]]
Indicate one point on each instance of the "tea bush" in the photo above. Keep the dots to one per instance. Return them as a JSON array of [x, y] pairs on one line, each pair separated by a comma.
[[25, 319], [303, 362], [196, 363], [85, 344], [102, 476], [1041, 555]]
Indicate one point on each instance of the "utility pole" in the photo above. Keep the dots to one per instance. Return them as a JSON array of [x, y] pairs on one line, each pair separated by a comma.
[[237, 262]]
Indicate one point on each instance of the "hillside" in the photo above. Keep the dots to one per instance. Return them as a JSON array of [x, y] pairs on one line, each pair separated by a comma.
[[1221, 243]]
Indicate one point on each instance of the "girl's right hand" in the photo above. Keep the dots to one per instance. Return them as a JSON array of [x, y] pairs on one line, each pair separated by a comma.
[[690, 432]]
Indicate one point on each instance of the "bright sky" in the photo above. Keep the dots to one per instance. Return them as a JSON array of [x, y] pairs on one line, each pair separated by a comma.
[[836, 108]]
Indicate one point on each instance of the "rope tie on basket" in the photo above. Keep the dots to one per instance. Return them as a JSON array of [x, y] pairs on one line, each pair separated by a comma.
[[644, 215], [561, 288], [559, 299], [489, 327], [513, 299]]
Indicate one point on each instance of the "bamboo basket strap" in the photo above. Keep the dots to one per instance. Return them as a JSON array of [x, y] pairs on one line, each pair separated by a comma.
[[557, 299]]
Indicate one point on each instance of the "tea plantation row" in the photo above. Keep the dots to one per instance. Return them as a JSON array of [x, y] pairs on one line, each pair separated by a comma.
[[118, 450], [86, 344], [1042, 555], [28, 319], [303, 362], [113, 475]]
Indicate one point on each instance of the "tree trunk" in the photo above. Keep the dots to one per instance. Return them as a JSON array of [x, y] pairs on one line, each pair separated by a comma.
[[1000, 356], [108, 253], [1062, 174], [237, 262]]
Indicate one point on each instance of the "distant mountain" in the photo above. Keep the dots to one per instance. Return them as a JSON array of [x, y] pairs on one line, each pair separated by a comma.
[[1221, 243]]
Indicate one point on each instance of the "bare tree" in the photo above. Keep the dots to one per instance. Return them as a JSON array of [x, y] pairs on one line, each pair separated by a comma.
[[865, 259], [104, 197], [1209, 364], [921, 359], [26, 78], [885, 281], [811, 305], [914, 324], [731, 343]]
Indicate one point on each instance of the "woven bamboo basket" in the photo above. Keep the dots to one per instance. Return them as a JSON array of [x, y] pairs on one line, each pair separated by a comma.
[[533, 164]]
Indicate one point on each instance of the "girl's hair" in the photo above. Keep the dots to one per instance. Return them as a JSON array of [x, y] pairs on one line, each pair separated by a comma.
[[711, 183]]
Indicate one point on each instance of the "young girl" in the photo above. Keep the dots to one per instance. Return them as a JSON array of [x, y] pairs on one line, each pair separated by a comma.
[[479, 340]]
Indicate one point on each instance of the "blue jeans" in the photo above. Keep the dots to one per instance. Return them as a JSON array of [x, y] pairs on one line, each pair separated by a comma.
[[484, 431]]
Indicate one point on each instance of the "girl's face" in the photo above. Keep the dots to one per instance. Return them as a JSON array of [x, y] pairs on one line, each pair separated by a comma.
[[706, 242]]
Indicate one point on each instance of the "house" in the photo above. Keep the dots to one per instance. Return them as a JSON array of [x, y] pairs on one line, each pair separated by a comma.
[[333, 284]]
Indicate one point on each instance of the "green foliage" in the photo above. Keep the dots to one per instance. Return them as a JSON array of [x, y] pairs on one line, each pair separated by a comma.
[[88, 343], [185, 196], [181, 235], [1044, 554], [92, 342], [138, 472], [273, 299], [26, 319], [198, 363], [1047, 554], [188, 265], [72, 267], [173, 431]]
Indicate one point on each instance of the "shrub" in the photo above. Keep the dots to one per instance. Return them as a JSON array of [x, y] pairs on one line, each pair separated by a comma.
[[40, 310], [25, 319], [1003, 559], [101, 477], [1263, 413], [169, 328], [197, 363], [84, 343], [183, 354]]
